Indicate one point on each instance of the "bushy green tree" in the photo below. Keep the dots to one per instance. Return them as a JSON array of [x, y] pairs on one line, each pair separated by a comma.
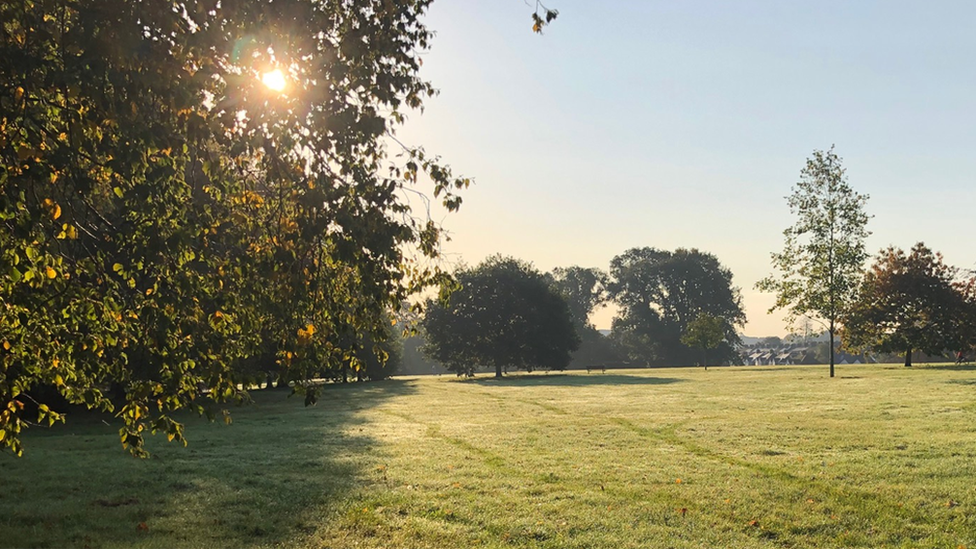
[[502, 315], [706, 332], [908, 302], [166, 216], [823, 255], [661, 292]]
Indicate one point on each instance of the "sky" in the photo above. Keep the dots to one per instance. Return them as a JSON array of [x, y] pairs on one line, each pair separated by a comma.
[[670, 124]]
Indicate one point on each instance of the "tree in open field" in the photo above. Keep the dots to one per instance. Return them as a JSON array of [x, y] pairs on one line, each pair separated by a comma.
[[660, 293], [966, 323], [908, 302], [823, 255], [187, 185], [503, 315], [585, 290], [705, 332]]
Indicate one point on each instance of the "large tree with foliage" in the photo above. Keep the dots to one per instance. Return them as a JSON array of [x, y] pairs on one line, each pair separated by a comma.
[[165, 215], [502, 315], [585, 290], [823, 254], [661, 292], [907, 302]]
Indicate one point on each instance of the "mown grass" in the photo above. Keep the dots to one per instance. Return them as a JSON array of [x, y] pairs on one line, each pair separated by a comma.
[[882, 456]]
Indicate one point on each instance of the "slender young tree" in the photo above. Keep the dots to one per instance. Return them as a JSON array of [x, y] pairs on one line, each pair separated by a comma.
[[823, 255]]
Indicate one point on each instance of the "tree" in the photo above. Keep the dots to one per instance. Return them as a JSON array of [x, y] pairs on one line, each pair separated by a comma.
[[503, 315], [907, 302], [584, 290], [966, 323], [705, 332], [823, 254], [166, 216], [660, 293]]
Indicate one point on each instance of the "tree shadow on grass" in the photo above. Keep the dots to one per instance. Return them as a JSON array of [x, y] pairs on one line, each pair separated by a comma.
[[962, 381], [565, 380], [765, 369], [271, 478], [965, 367]]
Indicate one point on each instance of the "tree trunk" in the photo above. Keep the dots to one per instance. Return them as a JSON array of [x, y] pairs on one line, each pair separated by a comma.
[[831, 348], [498, 370], [705, 358], [908, 358]]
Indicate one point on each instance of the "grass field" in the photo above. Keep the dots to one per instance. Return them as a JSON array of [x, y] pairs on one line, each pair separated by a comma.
[[882, 456]]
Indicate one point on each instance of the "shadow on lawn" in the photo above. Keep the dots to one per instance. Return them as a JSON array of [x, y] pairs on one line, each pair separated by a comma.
[[271, 478], [564, 380], [965, 367]]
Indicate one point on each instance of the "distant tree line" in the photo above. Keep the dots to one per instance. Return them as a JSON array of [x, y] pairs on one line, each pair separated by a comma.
[[677, 308], [681, 308]]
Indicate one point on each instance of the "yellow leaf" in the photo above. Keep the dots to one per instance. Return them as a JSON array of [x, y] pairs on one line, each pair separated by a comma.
[[149, 291], [6, 345], [50, 273], [52, 208]]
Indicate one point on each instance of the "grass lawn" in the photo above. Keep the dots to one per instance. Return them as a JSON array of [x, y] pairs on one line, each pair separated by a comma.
[[881, 456]]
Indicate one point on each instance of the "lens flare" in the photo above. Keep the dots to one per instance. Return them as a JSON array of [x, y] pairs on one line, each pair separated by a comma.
[[274, 80]]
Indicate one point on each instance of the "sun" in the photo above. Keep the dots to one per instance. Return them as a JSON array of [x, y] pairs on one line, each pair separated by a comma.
[[274, 80]]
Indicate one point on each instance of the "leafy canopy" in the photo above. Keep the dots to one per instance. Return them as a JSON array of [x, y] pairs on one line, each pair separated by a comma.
[[165, 216], [661, 292], [503, 315], [823, 253], [706, 332], [908, 302], [585, 289]]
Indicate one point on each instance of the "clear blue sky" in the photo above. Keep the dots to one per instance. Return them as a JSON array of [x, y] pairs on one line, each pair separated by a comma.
[[685, 124]]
